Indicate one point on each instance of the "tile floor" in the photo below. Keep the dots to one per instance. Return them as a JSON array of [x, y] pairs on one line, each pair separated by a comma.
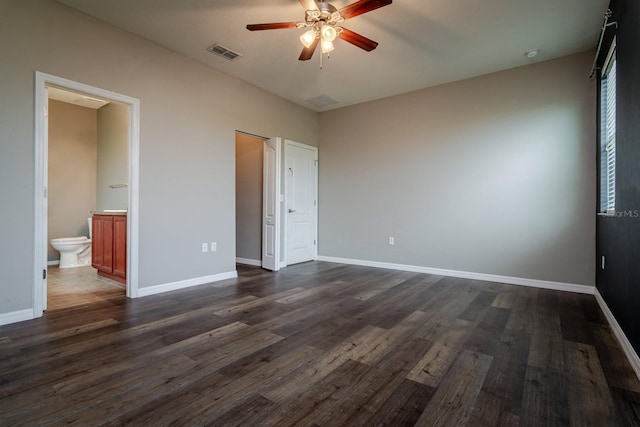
[[71, 287]]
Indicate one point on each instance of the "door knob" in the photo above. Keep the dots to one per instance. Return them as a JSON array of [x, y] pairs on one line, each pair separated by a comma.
[[292, 210]]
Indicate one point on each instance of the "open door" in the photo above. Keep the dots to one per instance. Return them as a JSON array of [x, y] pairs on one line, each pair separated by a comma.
[[271, 205]]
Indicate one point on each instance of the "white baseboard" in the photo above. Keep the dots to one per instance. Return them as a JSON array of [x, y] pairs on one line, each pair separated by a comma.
[[181, 284], [16, 316], [558, 286], [54, 262], [247, 261], [631, 354]]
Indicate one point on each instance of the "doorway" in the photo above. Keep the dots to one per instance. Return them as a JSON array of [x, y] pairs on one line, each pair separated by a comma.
[[276, 201], [87, 172], [42, 83], [249, 199]]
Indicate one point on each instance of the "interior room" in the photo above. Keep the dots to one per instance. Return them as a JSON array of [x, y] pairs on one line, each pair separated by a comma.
[[364, 212]]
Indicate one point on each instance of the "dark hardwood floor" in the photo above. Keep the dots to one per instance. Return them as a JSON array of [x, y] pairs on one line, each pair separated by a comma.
[[322, 344]]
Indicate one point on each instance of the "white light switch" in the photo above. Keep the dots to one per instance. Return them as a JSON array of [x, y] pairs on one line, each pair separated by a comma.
[[214, 246], [392, 241], [205, 247]]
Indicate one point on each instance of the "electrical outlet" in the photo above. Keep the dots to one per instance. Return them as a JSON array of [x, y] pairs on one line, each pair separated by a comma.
[[603, 262], [392, 241], [205, 247], [214, 246]]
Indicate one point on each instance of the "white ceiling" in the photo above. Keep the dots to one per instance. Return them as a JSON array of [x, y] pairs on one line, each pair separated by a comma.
[[422, 42]]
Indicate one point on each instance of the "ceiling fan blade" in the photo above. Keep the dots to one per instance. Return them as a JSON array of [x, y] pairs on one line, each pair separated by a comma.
[[308, 4], [362, 6], [357, 40], [307, 52], [272, 26]]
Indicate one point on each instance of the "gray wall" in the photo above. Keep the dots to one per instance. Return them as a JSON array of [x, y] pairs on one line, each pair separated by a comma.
[[249, 197], [189, 114], [72, 171], [490, 175], [113, 156]]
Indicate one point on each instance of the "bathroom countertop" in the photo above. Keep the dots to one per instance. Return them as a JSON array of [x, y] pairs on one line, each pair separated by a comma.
[[108, 213]]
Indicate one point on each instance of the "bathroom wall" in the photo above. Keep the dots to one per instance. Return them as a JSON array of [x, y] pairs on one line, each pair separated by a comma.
[[72, 170], [113, 156], [249, 197]]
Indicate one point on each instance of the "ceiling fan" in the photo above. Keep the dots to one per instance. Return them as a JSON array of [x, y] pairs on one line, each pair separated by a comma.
[[322, 19]]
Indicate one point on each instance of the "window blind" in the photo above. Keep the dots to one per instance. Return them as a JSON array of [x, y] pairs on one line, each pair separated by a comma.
[[608, 138]]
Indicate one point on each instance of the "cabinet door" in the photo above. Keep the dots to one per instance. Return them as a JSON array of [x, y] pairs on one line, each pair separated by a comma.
[[97, 253], [120, 246], [103, 242]]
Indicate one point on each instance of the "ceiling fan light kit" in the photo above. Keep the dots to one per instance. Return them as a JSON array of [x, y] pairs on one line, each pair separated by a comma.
[[322, 19], [327, 46], [308, 38]]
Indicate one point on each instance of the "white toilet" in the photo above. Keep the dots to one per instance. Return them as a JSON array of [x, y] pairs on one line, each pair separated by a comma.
[[74, 251]]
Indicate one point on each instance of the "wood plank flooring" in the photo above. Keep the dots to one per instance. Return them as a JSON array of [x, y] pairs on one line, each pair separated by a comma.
[[321, 344]]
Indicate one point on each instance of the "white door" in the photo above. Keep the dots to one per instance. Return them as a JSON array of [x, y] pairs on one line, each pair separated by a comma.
[[301, 169], [271, 205]]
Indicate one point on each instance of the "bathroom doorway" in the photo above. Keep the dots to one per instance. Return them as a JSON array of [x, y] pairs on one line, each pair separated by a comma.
[[87, 172], [75, 128]]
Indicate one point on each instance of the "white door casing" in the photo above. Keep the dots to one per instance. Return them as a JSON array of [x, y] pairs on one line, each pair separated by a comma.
[[271, 204], [45, 200], [42, 81], [301, 192]]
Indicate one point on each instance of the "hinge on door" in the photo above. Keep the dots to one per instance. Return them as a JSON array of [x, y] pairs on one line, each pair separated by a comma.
[[314, 243], [314, 203], [46, 111], [44, 274], [315, 162], [45, 192]]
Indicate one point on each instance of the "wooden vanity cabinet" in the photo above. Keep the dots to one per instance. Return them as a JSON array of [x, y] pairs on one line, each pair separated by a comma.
[[109, 246]]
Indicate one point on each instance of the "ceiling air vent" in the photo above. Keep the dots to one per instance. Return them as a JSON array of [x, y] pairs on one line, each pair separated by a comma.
[[321, 101], [225, 52]]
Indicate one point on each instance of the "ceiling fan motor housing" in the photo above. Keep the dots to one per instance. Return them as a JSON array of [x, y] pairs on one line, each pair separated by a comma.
[[326, 13]]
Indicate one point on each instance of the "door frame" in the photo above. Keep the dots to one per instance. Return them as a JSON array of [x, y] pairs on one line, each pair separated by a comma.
[[288, 143], [42, 81]]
